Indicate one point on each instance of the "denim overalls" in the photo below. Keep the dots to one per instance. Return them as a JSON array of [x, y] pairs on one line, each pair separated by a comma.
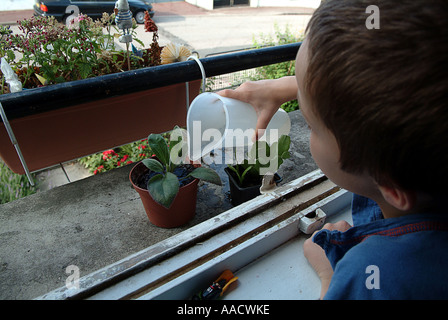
[[395, 258]]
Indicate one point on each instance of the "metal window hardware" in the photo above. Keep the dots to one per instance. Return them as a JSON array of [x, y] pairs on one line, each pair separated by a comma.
[[312, 221], [13, 139]]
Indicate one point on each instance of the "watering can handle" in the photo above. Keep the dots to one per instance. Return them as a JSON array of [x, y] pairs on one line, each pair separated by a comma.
[[193, 57]]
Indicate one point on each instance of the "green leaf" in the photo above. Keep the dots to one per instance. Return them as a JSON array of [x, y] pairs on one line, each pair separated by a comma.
[[236, 171], [286, 155], [233, 169], [206, 174], [262, 155], [163, 188], [139, 42], [153, 165], [59, 80], [259, 148], [244, 174], [160, 148], [283, 144], [84, 70], [11, 55]]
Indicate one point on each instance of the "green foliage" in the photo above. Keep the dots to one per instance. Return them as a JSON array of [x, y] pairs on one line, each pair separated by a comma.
[[13, 186], [164, 186], [262, 156], [60, 53], [278, 70]]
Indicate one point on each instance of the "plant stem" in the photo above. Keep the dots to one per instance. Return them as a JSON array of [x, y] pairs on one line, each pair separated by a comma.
[[129, 61], [3, 83]]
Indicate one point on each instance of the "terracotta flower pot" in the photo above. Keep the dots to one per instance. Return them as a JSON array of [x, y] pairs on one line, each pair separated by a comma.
[[182, 210]]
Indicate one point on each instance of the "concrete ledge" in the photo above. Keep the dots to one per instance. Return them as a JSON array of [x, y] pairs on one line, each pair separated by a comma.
[[94, 222]]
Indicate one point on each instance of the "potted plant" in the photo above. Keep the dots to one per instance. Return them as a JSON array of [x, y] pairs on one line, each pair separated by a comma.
[[245, 178], [81, 94], [167, 183]]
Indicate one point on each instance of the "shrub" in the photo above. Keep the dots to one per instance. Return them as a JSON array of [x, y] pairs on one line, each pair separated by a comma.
[[278, 70], [46, 52], [13, 186], [117, 157]]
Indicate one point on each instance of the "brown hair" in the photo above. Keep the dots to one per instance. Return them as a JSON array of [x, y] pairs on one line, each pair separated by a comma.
[[384, 92]]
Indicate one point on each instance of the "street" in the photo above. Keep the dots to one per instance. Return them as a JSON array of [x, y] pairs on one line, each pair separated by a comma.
[[205, 31], [16, 5], [218, 32]]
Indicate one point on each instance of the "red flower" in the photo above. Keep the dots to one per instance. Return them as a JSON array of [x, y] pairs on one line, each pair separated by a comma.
[[108, 154], [98, 170]]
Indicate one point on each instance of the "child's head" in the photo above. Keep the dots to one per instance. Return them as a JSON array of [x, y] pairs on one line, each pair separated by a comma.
[[381, 93]]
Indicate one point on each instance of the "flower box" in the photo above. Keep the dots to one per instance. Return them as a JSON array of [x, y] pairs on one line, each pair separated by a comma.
[[93, 97], [52, 137]]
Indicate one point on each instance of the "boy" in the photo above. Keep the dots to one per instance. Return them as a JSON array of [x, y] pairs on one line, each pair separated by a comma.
[[376, 101]]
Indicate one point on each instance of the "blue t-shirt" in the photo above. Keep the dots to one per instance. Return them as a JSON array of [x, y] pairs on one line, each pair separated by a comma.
[[395, 258]]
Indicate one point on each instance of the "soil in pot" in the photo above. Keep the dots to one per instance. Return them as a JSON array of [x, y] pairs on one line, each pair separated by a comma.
[[181, 172]]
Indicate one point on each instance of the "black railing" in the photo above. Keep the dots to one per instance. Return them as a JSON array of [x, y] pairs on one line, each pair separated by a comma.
[[34, 101]]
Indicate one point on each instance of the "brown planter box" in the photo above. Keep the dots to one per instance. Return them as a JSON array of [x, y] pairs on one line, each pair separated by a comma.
[[53, 137]]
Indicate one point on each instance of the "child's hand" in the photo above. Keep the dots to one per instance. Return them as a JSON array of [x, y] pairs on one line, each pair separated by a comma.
[[317, 258], [266, 96]]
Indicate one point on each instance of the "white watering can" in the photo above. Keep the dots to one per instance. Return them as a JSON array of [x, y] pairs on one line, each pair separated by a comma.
[[214, 122]]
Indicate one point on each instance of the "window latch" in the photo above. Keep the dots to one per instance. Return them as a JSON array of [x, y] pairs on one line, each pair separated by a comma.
[[312, 221]]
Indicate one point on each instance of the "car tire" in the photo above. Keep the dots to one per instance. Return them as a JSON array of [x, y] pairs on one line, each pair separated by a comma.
[[139, 16]]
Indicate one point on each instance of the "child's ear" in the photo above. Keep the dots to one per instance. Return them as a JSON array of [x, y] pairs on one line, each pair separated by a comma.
[[401, 199]]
